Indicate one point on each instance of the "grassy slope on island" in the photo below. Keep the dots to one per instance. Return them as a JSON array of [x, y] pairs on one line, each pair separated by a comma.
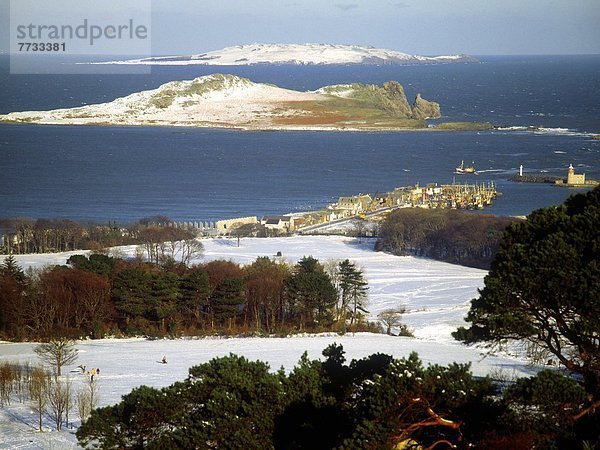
[[359, 105], [463, 126]]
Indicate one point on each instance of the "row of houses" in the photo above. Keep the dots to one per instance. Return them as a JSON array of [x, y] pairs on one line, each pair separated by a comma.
[[455, 196], [465, 196]]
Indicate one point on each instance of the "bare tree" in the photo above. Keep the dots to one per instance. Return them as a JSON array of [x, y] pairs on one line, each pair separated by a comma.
[[7, 379], [59, 399], [22, 372], [359, 227], [87, 399], [331, 267], [58, 353], [185, 250], [39, 384], [391, 318]]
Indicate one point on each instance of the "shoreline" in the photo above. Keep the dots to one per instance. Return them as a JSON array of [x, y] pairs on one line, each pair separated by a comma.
[[476, 126], [316, 129]]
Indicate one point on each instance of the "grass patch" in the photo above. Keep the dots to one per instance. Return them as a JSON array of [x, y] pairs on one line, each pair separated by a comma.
[[464, 126], [338, 111]]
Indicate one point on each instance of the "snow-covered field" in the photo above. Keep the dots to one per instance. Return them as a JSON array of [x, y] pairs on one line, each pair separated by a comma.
[[437, 296]]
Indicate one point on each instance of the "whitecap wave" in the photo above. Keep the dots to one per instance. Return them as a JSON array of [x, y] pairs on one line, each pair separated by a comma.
[[556, 131]]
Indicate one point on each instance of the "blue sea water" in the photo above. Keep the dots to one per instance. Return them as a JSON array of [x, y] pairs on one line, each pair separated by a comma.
[[126, 173]]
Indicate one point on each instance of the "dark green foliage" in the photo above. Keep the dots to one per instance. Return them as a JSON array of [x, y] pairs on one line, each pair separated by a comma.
[[10, 269], [227, 299], [140, 421], [447, 235], [545, 404], [236, 402], [233, 403], [551, 391], [226, 403], [132, 288], [193, 292], [353, 291], [12, 288], [311, 293], [544, 288], [96, 263], [394, 400]]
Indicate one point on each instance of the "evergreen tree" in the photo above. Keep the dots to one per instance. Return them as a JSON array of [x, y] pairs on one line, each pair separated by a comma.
[[228, 402], [353, 291], [374, 402], [10, 268], [164, 294], [543, 288], [228, 300], [311, 292], [12, 290], [194, 290], [132, 289]]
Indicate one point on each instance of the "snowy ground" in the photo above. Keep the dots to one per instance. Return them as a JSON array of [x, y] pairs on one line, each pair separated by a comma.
[[237, 102], [436, 294], [242, 55]]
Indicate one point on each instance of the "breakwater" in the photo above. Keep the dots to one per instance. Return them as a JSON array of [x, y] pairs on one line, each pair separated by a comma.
[[551, 179]]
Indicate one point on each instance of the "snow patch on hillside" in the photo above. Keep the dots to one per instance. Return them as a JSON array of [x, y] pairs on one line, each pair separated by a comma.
[[221, 100], [297, 54]]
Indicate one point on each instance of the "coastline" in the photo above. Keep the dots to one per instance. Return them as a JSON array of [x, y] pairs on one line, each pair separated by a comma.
[[476, 126]]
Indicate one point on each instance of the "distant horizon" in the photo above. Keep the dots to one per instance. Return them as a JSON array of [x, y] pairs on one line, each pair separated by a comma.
[[511, 27], [430, 54]]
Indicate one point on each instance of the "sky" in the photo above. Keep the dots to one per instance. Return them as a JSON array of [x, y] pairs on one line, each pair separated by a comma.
[[428, 27]]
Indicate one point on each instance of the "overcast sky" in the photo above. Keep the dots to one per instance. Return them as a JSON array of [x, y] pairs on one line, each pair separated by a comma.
[[429, 27]]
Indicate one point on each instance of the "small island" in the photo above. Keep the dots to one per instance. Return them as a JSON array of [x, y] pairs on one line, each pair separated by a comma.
[[230, 101], [298, 55]]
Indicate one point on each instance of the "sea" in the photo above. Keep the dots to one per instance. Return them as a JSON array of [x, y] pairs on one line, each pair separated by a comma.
[[545, 108]]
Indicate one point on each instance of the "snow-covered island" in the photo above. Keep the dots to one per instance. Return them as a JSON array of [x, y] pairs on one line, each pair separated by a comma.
[[298, 54], [229, 101]]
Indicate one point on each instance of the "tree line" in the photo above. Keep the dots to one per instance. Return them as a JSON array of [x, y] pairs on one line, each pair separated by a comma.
[[104, 295], [446, 235], [25, 235]]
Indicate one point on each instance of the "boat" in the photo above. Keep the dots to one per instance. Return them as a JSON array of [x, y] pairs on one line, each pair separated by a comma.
[[468, 169]]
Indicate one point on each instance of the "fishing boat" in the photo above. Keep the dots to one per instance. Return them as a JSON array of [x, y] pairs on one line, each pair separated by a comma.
[[468, 169]]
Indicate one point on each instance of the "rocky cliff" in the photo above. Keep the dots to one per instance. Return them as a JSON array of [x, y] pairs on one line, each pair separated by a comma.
[[423, 109]]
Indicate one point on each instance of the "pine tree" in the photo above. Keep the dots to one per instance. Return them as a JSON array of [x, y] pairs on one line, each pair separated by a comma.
[[353, 291], [10, 268], [543, 288], [227, 300], [311, 292]]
